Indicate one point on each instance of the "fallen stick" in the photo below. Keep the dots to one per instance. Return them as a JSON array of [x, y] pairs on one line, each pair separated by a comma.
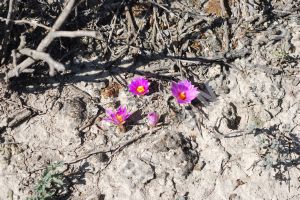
[[73, 34], [7, 31], [19, 117], [38, 55], [24, 21], [45, 42]]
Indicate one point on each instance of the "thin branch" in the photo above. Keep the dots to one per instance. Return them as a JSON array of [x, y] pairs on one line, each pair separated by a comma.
[[226, 26], [58, 23], [131, 25], [199, 21], [10, 11], [22, 42], [24, 21], [113, 24], [14, 57], [7, 31], [164, 8], [37, 55], [72, 34], [45, 42]]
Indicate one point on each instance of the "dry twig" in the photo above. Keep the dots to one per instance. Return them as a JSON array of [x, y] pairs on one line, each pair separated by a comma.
[[7, 31], [226, 26], [73, 34], [24, 21], [45, 42], [38, 55]]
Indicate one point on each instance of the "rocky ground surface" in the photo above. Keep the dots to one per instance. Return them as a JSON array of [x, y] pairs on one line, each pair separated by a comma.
[[239, 140]]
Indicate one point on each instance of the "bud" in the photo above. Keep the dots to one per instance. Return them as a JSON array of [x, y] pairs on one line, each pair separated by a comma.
[[153, 119]]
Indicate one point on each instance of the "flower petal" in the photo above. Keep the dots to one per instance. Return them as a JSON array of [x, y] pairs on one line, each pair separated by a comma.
[[117, 117], [109, 111], [135, 83], [185, 86]]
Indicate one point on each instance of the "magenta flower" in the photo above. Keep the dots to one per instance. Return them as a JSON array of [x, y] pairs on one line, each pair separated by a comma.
[[153, 118], [117, 117], [139, 86], [184, 91]]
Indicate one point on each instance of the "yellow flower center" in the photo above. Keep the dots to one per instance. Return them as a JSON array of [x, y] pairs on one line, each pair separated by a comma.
[[140, 89], [119, 118], [182, 95]]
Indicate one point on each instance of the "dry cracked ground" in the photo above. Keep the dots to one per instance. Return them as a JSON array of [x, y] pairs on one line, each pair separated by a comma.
[[240, 140]]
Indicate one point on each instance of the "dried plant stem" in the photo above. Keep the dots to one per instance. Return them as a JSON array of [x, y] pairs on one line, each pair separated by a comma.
[[58, 23], [46, 41], [226, 26], [164, 8], [24, 21], [38, 55], [131, 23], [7, 31], [72, 34]]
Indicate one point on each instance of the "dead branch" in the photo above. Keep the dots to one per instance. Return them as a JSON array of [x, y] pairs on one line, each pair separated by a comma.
[[24, 21], [7, 31], [14, 57], [19, 117], [131, 24], [73, 34], [10, 10], [45, 42], [58, 23], [22, 42], [164, 8], [199, 21], [38, 55], [225, 27]]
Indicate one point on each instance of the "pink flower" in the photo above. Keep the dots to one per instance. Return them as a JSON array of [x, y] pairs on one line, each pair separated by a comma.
[[117, 117], [184, 91], [153, 118], [139, 86]]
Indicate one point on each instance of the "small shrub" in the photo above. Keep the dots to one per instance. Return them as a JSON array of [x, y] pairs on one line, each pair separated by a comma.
[[51, 183]]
